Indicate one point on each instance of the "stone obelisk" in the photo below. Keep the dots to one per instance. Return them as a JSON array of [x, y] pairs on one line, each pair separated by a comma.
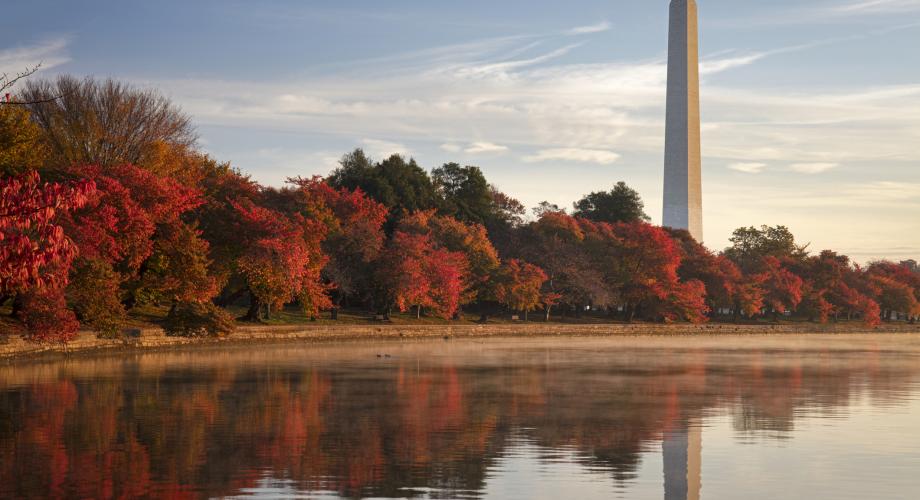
[[683, 197]]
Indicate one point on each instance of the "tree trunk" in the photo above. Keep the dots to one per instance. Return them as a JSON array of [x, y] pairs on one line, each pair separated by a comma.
[[525, 314], [546, 314], [224, 301], [334, 312], [630, 312], [17, 305], [255, 309], [418, 312]]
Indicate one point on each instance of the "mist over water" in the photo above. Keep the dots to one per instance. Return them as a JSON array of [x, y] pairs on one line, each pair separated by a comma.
[[822, 416]]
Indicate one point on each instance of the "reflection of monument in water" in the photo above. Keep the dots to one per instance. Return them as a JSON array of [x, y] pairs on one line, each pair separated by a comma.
[[683, 198], [682, 453]]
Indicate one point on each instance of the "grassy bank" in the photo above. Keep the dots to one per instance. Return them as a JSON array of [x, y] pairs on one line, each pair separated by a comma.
[[348, 329]]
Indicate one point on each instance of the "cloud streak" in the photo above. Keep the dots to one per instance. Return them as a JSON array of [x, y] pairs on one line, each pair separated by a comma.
[[591, 28], [599, 156], [877, 7], [748, 168], [812, 168], [50, 52]]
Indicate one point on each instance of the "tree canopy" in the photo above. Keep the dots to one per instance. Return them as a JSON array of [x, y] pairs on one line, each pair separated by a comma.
[[620, 204]]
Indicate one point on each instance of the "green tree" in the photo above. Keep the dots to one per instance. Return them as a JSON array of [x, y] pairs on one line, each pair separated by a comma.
[[402, 186], [620, 204], [750, 245], [467, 195]]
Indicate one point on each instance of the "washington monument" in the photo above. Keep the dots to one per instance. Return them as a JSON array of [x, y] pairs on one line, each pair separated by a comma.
[[683, 197]]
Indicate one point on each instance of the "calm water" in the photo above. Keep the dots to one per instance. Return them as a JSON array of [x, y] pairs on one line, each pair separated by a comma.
[[683, 418]]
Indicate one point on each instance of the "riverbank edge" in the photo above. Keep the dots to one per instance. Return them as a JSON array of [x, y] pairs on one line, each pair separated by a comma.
[[155, 338]]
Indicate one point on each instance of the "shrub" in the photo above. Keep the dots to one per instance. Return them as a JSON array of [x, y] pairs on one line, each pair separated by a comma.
[[46, 317], [93, 293], [193, 319]]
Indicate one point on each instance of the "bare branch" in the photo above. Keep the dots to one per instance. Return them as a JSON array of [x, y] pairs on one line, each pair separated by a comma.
[[7, 83], [29, 103]]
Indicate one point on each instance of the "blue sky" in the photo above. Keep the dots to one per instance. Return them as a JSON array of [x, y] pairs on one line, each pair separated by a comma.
[[811, 108]]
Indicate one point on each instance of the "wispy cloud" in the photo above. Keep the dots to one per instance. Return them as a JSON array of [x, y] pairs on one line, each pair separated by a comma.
[[503, 67], [877, 6], [591, 28], [712, 66], [599, 156], [50, 52], [485, 147], [748, 168], [812, 168]]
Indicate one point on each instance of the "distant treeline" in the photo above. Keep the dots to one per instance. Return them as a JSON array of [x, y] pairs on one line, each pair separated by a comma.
[[107, 205]]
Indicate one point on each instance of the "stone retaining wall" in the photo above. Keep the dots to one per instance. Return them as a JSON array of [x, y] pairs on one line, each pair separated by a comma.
[[152, 338]]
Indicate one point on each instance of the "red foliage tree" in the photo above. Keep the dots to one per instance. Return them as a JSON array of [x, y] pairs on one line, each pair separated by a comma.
[[471, 240], [416, 273], [35, 251], [833, 287], [46, 317], [518, 286], [894, 296], [131, 233], [556, 243], [687, 301], [355, 236], [119, 222], [646, 275], [726, 286], [782, 288], [283, 258], [896, 287]]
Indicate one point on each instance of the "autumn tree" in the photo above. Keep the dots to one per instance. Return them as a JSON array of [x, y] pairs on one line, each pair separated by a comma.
[[21, 146], [414, 272], [104, 122], [646, 275], [552, 243], [782, 288], [282, 260], [506, 210], [726, 286], [518, 286], [221, 226], [834, 287], [896, 288], [35, 252], [35, 249], [471, 240], [132, 214], [354, 241]]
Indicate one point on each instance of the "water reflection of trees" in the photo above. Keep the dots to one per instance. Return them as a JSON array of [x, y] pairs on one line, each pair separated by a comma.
[[169, 428]]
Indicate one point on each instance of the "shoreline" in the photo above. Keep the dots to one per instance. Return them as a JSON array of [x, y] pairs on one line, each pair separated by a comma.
[[153, 339]]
